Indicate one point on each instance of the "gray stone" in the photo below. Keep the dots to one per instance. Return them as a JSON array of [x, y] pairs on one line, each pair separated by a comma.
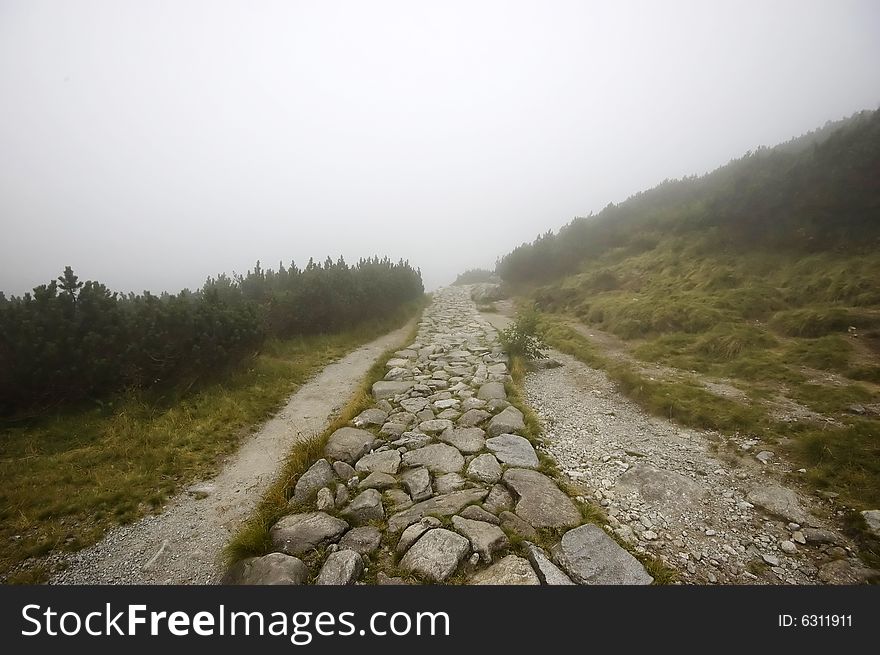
[[513, 450], [511, 570], [486, 538], [342, 496], [440, 506], [779, 501], [818, 536], [513, 523], [398, 499], [547, 571], [418, 483], [669, 492], [492, 391], [271, 569], [369, 417], [366, 507], [343, 567], [541, 502], [437, 458], [484, 468], [765, 456], [473, 417], [508, 421], [444, 484], [387, 461], [591, 557], [872, 520], [472, 403], [349, 444], [467, 440], [320, 474], [344, 470], [363, 540], [414, 405], [772, 560], [409, 536], [397, 362], [397, 373], [412, 440], [498, 500], [393, 429], [324, 501], [386, 389], [377, 480], [477, 513], [435, 426], [496, 405], [436, 555], [788, 547], [299, 533]]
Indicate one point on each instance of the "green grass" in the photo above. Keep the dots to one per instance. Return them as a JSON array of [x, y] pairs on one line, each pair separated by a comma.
[[71, 475]]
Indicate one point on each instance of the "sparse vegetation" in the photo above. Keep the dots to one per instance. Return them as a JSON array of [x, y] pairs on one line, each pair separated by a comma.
[[761, 276], [521, 338]]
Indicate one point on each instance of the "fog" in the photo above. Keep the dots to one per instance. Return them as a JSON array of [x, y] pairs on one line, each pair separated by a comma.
[[151, 144]]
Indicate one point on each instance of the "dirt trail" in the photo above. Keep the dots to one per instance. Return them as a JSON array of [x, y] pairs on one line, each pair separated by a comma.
[[182, 545], [669, 492]]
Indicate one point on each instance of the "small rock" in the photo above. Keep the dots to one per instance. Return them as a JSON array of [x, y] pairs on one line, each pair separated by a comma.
[[772, 560], [366, 507], [271, 569], [363, 540], [320, 474], [484, 468], [477, 513], [418, 483], [325, 500], [343, 567], [788, 547], [436, 555], [485, 538], [387, 461], [548, 572], [511, 570]]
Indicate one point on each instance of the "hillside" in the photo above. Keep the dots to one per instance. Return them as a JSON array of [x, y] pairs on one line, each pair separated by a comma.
[[745, 300]]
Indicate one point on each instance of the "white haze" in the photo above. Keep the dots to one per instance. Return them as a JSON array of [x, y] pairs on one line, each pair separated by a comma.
[[151, 144]]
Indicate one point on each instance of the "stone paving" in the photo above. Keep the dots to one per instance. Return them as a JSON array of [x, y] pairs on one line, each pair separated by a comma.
[[436, 483]]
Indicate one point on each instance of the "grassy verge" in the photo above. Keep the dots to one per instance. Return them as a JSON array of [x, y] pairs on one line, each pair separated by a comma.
[[69, 476], [252, 539]]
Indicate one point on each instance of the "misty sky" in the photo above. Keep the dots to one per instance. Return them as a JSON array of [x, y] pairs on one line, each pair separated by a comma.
[[150, 144]]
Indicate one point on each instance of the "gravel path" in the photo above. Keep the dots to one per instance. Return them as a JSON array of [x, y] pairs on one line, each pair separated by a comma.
[[666, 490], [183, 543]]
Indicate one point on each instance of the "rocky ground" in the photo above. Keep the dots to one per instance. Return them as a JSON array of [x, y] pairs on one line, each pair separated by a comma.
[[725, 520], [435, 483]]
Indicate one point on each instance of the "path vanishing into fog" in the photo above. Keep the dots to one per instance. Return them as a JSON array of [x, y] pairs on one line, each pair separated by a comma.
[[184, 544]]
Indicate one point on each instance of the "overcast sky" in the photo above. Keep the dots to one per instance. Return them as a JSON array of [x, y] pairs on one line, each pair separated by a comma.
[[150, 144]]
